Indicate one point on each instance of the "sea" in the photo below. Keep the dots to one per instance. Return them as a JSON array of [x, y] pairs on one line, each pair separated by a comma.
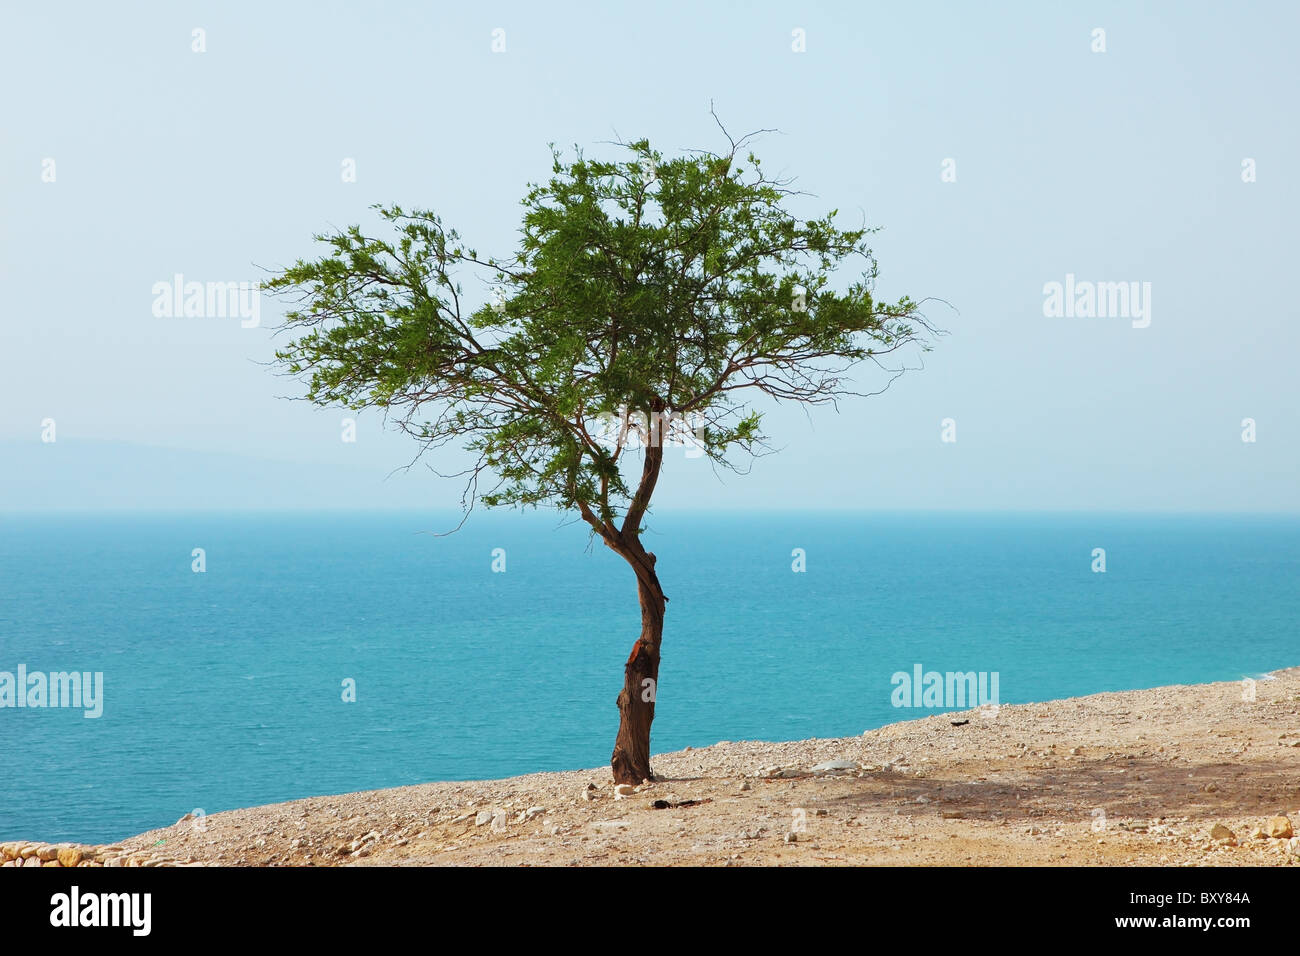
[[251, 658]]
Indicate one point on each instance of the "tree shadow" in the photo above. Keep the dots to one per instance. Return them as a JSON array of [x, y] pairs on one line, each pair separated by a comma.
[[1141, 789]]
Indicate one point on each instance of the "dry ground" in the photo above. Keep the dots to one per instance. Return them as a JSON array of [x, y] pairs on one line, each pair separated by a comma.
[[1139, 777]]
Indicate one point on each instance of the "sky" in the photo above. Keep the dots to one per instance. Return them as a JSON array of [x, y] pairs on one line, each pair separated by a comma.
[[1000, 148]]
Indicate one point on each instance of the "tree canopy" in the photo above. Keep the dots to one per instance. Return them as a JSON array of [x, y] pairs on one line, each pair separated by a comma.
[[644, 290]]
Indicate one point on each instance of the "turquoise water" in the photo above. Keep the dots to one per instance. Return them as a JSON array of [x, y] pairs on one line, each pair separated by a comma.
[[224, 689]]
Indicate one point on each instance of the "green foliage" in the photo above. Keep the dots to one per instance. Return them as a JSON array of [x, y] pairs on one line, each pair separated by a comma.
[[651, 284]]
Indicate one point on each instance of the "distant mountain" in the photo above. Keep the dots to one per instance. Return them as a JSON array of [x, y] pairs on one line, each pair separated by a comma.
[[98, 475]]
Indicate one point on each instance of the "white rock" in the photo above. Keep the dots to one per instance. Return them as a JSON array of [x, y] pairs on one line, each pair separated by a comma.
[[836, 766], [623, 790], [780, 773], [484, 816]]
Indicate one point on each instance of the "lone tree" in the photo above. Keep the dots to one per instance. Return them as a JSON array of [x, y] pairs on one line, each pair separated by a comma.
[[650, 300]]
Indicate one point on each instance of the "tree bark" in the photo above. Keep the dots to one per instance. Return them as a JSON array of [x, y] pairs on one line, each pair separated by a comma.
[[636, 702]]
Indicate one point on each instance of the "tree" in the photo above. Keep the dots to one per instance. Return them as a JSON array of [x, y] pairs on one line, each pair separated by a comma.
[[650, 300]]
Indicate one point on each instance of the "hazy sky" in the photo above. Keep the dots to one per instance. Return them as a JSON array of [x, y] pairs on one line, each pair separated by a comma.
[[1117, 166]]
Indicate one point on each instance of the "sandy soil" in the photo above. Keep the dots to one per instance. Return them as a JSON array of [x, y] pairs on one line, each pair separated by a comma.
[[1140, 777]]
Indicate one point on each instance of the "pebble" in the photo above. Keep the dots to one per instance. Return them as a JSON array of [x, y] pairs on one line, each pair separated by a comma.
[[1221, 834], [1279, 828]]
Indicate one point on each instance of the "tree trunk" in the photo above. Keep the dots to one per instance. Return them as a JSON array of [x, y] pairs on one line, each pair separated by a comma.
[[636, 702]]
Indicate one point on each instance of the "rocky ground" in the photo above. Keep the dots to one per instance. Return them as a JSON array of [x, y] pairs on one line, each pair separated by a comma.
[[1178, 776]]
